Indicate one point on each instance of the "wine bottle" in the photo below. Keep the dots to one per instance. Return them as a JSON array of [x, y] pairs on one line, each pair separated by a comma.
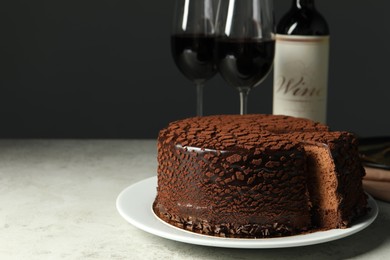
[[301, 63]]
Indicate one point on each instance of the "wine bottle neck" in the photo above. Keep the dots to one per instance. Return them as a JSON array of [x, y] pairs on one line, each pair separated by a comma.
[[303, 4]]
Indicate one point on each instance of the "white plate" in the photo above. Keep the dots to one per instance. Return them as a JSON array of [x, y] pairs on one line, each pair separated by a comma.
[[135, 205]]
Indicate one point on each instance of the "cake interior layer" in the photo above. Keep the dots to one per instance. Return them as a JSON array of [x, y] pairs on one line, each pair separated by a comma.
[[322, 186]]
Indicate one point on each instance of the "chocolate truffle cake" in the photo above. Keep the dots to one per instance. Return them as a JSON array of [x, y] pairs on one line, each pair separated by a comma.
[[255, 176]]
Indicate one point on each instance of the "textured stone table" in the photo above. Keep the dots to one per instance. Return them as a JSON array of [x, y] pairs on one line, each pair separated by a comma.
[[57, 201]]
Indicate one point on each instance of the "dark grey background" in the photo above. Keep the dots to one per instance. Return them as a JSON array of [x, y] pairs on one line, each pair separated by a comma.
[[103, 69]]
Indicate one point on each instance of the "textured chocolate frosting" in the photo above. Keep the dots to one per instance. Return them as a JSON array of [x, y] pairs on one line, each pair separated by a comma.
[[248, 176]]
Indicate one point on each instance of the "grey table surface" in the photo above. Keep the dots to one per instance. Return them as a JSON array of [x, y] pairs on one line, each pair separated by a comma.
[[57, 201]]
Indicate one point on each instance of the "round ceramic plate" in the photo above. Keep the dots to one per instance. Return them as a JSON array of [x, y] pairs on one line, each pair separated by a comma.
[[135, 205]]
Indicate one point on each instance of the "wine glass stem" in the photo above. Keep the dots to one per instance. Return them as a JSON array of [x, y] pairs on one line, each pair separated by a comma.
[[244, 92], [199, 99]]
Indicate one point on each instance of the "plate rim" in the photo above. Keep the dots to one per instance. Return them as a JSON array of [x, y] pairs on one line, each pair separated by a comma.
[[167, 231]]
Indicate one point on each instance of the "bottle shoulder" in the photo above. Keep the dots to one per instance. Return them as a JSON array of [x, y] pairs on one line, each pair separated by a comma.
[[303, 22]]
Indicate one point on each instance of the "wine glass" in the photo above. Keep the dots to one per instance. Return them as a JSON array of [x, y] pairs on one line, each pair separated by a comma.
[[192, 42], [245, 44]]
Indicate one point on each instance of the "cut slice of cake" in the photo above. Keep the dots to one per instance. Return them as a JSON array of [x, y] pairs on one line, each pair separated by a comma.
[[334, 178]]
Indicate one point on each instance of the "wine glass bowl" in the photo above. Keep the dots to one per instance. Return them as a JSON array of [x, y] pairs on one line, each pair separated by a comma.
[[192, 42], [245, 44]]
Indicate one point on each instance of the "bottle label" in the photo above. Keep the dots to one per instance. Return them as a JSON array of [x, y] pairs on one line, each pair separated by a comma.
[[301, 76]]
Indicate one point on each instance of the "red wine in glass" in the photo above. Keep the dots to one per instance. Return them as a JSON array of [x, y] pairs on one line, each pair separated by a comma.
[[245, 44], [192, 42], [245, 62], [194, 56]]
